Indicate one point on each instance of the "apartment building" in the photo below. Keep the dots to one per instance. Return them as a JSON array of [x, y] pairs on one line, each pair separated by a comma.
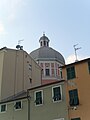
[[45, 102], [77, 76], [18, 72]]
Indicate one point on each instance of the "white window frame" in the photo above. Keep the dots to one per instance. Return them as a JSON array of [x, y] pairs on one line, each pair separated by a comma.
[[60, 92], [15, 105], [5, 109], [35, 97], [59, 119]]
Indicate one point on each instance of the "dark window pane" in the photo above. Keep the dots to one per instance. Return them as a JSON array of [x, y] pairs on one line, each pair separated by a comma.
[[47, 43], [75, 119], [38, 98], [56, 93], [70, 73], [18, 105], [89, 66], [47, 72], [73, 96], [41, 43], [44, 43], [3, 108]]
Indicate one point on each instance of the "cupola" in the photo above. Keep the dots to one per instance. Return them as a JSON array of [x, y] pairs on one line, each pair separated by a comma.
[[44, 41]]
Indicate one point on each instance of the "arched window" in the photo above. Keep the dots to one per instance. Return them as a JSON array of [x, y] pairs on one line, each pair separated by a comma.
[[47, 43], [41, 43], [44, 43]]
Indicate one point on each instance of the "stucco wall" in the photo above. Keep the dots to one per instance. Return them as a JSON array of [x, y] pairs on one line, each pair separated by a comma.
[[12, 114], [48, 110], [16, 74], [82, 83]]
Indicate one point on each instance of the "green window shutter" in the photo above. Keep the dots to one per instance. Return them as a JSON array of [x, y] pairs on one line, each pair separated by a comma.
[[75, 119], [89, 66], [71, 72], [18, 105], [73, 96], [3, 108], [38, 97], [57, 93]]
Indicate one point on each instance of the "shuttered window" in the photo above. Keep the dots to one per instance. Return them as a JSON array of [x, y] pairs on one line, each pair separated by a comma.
[[38, 97], [75, 119], [70, 72], [73, 97], [3, 108], [57, 93], [89, 66]]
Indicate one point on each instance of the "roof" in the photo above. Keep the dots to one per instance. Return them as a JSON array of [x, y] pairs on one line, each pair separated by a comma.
[[43, 38], [52, 83], [75, 63], [24, 94], [18, 96], [47, 54]]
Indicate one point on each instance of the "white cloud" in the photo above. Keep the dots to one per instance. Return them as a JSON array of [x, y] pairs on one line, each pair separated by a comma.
[[72, 58]]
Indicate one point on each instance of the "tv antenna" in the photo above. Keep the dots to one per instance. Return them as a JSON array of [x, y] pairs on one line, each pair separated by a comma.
[[19, 47], [19, 41], [75, 49]]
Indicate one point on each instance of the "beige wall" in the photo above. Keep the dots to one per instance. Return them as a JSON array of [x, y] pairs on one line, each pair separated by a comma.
[[12, 114], [1, 68], [82, 83], [48, 110], [15, 72]]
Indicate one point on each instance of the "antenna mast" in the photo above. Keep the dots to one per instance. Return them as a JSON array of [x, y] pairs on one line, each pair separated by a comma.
[[19, 41], [19, 46], [75, 49]]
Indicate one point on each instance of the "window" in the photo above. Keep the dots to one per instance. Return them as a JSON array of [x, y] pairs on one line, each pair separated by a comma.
[[70, 73], [30, 79], [56, 93], [47, 72], [41, 43], [59, 119], [89, 66], [61, 73], [75, 119], [52, 71], [52, 65], [41, 65], [3, 108], [39, 97], [47, 43], [73, 96], [44, 43], [30, 67], [42, 71], [18, 105]]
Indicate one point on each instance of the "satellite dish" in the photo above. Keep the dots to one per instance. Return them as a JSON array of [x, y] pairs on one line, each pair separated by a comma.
[[18, 46]]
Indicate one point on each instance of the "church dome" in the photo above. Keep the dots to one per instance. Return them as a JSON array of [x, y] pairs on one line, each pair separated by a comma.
[[46, 53]]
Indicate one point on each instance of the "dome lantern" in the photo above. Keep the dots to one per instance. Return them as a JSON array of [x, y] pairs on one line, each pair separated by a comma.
[[44, 41]]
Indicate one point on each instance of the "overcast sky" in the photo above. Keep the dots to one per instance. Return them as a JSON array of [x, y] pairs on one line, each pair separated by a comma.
[[65, 23]]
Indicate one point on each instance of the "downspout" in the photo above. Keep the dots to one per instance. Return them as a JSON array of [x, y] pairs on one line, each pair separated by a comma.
[[28, 107]]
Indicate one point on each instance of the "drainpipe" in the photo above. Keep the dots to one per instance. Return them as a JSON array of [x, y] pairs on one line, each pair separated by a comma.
[[28, 100]]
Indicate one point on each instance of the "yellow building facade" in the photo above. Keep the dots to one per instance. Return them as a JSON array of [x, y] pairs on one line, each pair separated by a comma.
[[77, 76]]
